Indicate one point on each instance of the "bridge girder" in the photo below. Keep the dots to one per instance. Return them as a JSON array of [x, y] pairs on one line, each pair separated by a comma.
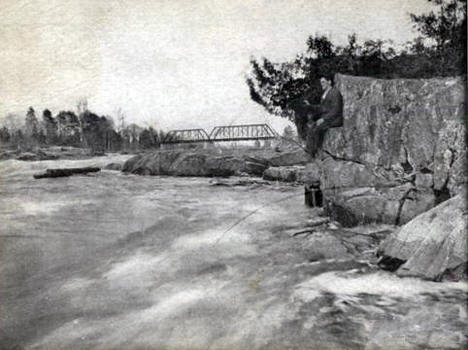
[[244, 132], [186, 135]]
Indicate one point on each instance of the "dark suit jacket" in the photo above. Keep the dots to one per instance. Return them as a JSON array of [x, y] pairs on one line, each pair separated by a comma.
[[330, 109]]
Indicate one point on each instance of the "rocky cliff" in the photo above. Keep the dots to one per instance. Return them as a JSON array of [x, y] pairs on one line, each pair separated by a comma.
[[400, 152]]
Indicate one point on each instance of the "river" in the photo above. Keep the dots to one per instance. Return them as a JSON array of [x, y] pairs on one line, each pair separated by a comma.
[[116, 261]]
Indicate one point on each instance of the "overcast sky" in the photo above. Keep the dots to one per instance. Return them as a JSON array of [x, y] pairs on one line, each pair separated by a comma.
[[169, 64]]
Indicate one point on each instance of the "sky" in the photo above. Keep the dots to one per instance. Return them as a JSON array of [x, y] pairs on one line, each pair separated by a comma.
[[170, 64]]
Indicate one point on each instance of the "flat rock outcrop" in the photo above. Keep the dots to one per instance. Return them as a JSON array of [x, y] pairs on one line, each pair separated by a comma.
[[213, 162], [48, 153], [288, 158], [283, 173], [400, 152], [303, 174], [157, 163], [431, 245], [114, 166]]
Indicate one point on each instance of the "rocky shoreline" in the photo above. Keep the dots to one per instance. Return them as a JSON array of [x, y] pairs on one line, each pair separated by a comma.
[[49, 153], [399, 159], [331, 236], [160, 237]]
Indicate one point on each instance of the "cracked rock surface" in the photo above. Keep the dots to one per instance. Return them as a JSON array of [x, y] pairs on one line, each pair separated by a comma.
[[401, 150], [213, 162], [433, 244]]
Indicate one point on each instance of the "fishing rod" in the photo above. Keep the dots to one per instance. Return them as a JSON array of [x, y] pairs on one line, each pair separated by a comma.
[[252, 213]]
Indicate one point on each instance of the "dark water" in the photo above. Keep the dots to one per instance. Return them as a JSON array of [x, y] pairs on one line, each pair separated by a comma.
[[112, 261]]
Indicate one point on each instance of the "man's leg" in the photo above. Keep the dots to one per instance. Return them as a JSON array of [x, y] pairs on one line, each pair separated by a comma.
[[311, 146], [315, 137]]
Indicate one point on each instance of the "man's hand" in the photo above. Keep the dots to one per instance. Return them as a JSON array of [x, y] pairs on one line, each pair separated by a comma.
[[320, 121]]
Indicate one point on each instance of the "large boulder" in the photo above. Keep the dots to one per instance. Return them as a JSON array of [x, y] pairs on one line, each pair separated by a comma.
[[283, 173], [450, 167], [184, 163], [432, 244], [114, 166], [340, 174], [157, 163], [395, 121], [355, 194], [323, 245], [292, 157], [189, 164], [401, 150], [389, 205], [213, 162], [199, 164], [308, 174]]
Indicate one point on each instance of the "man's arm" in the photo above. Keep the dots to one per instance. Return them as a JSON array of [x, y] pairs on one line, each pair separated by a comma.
[[299, 107], [304, 109], [333, 108]]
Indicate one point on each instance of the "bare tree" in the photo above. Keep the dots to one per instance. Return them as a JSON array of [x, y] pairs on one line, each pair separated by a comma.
[[82, 105], [13, 122], [121, 117]]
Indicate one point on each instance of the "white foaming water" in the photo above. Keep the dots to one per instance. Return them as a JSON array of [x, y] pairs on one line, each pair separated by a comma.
[[155, 262], [48, 207], [378, 283], [230, 239], [172, 305], [136, 267], [13, 167]]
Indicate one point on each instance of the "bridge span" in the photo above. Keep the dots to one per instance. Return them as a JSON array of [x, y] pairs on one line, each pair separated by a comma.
[[244, 132]]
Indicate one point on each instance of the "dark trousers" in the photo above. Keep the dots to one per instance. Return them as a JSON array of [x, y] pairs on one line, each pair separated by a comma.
[[315, 136]]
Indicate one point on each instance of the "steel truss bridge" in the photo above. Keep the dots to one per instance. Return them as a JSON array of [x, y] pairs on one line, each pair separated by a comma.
[[245, 132]]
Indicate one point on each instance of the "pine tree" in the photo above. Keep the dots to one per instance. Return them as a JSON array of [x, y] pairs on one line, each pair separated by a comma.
[[50, 127], [31, 126]]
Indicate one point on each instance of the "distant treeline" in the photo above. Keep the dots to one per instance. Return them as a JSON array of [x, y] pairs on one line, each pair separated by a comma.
[[85, 129]]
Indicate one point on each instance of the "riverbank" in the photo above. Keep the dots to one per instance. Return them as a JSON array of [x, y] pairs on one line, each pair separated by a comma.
[[49, 153], [115, 260]]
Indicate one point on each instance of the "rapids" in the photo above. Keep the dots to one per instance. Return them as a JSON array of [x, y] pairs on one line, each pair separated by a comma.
[[110, 260]]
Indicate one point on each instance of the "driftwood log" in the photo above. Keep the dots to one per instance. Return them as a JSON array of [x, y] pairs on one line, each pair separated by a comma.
[[66, 172]]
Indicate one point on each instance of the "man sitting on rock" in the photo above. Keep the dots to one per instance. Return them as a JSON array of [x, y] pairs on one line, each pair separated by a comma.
[[328, 114]]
